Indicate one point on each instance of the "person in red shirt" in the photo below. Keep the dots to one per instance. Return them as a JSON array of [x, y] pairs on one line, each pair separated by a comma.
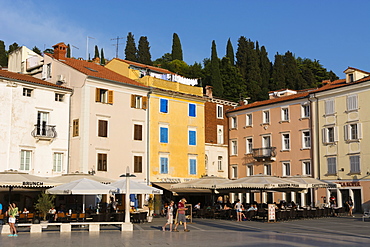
[[181, 215]]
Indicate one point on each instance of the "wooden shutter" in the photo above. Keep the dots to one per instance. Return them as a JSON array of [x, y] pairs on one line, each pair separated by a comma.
[[336, 138], [138, 132], [138, 161], [103, 128], [145, 101], [133, 100], [75, 127], [97, 95], [346, 131], [324, 131], [110, 97]]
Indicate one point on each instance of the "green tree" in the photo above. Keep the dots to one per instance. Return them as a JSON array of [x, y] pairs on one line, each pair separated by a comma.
[[68, 51], [49, 50], [216, 80], [178, 67], [96, 55], [102, 59], [293, 78], [233, 82], [3, 55], [13, 47], [265, 66], [195, 71], [130, 50], [230, 52], [143, 52], [36, 50], [163, 61], [176, 48], [278, 75], [253, 73], [241, 55]]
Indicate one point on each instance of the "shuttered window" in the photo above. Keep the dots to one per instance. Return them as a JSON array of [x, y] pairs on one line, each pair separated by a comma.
[[163, 107], [58, 162], [76, 126], [102, 162], [25, 163], [192, 110], [163, 135], [355, 163], [103, 128], [329, 107], [193, 166], [104, 96], [138, 164], [352, 104], [138, 132], [164, 165], [192, 137], [332, 165]]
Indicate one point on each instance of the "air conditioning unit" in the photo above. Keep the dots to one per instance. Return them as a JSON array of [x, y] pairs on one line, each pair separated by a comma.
[[61, 78]]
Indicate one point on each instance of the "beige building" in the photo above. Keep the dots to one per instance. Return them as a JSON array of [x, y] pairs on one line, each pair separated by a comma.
[[341, 120]]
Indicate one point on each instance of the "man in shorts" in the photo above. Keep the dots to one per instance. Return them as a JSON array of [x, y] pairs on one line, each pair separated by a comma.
[[181, 215]]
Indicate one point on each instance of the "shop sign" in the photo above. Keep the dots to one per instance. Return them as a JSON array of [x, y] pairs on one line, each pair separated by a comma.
[[29, 183], [349, 184], [271, 212]]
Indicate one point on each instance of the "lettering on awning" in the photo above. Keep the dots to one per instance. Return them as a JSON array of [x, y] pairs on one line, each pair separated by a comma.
[[29, 183]]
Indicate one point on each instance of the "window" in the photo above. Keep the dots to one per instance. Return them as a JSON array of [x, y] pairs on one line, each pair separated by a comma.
[[267, 169], [46, 71], [192, 110], [75, 131], [163, 107], [248, 120], [104, 96], [102, 162], [102, 128], [27, 92], [192, 166], [138, 164], [59, 97], [306, 111], [306, 139], [164, 165], [192, 137], [286, 141], [352, 132], [266, 117], [332, 165], [249, 145], [234, 147], [138, 132], [355, 163], [329, 135], [219, 163], [163, 134], [234, 171], [306, 167], [42, 123], [220, 111], [220, 134], [138, 101], [234, 124], [285, 114], [286, 169], [249, 170], [25, 163], [352, 103], [329, 107], [58, 162], [350, 77]]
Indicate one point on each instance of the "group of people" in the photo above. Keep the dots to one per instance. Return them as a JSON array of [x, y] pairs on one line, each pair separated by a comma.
[[181, 217]]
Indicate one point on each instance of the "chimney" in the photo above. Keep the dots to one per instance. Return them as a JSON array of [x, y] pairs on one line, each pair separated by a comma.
[[209, 91], [60, 51]]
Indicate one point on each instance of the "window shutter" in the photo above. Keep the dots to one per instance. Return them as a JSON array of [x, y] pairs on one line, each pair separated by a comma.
[[133, 99], [44, 71], [346, 127], [163, 106], [336, 138], [192, 137], [97, 95], [138, 132], [324, 135], [110, 97], [192, 110], [138, 160], [164, 135], [145, 100]]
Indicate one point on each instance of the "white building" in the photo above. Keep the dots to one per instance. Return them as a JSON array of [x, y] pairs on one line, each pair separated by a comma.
[[34, 125]]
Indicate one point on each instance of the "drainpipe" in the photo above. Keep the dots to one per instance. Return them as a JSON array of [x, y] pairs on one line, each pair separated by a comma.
[[147, 139], [315, 150], [69, 132]]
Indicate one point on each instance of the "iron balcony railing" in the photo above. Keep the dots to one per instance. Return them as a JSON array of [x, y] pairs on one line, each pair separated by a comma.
[[44, 131], [264, 153]]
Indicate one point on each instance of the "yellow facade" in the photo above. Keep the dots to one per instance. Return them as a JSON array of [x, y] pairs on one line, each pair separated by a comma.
[[176, 152]]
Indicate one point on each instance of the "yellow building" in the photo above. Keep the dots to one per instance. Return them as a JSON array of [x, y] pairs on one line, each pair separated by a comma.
[[176, 141]]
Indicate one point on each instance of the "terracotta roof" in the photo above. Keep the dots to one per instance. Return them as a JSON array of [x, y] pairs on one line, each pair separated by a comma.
[[28, 78], [271, 101], [165, 71], [340, 83], [356, 70], [96, 70]]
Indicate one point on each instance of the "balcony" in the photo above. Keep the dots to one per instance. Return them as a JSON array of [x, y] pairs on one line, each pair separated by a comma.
[[262, 154], [44, 132]]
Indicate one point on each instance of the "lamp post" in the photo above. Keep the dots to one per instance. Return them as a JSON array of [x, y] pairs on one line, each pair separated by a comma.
[[127, 195]]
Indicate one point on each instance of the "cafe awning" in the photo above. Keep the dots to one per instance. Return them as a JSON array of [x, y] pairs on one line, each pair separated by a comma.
[[309, 182], [14, 179], [167, 186], [207, 182], [66, 178]]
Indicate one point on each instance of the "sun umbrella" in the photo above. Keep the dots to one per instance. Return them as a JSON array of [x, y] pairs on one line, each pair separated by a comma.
[[309, 182], [135, 187], [24, 180], [83, 187], [66, 178], [206, 182]]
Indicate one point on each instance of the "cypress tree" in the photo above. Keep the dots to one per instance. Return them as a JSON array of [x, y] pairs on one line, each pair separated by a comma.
[[13, 47], [3, 55], [216, 81], [241, 55], [233, 82], [130, 50], [176, 48], [102, 59], [96, 52], [143, 53], [253, 73], [68, 51], [278, 75], [230, 52], [265, 66]]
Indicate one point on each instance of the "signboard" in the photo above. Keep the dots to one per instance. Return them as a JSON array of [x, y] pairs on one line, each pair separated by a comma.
[[271, 212]]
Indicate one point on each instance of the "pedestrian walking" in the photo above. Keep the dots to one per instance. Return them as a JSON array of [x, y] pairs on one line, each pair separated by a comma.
[[239, 210], [181, 215], [12, 212], [169, 215]]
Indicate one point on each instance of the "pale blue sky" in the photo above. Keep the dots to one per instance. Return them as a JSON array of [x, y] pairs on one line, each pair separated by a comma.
[[336, 32]]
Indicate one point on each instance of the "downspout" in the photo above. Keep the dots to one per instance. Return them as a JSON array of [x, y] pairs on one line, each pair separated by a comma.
[[148, 138], [315, 151], [69, 131]]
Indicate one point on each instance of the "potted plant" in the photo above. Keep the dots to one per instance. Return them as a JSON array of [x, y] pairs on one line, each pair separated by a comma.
[[44, 203]]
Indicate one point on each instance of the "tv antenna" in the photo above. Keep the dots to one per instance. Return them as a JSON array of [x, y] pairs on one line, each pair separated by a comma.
[[87, 47], [116, 45], [75, 48]]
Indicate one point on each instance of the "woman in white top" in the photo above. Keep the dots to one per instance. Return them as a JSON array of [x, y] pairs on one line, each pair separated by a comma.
[[169, 216], [239, 210]]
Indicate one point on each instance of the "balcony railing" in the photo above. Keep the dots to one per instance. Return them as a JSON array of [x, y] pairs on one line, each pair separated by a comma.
[[264, 153], [44, 132]]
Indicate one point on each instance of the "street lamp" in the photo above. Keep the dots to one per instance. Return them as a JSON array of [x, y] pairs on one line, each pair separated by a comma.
[[127, 195]]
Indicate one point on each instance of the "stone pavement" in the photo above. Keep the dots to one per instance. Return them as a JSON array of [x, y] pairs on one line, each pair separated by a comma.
[[334, 231]]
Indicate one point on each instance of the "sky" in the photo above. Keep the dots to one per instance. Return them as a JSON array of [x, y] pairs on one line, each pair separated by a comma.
[[335, 32]]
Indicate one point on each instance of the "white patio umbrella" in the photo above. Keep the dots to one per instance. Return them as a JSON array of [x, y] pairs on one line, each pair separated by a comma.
[[25, 180], [309, 182], [83, 187], [135, 187], [66, 178], [206, 182]]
